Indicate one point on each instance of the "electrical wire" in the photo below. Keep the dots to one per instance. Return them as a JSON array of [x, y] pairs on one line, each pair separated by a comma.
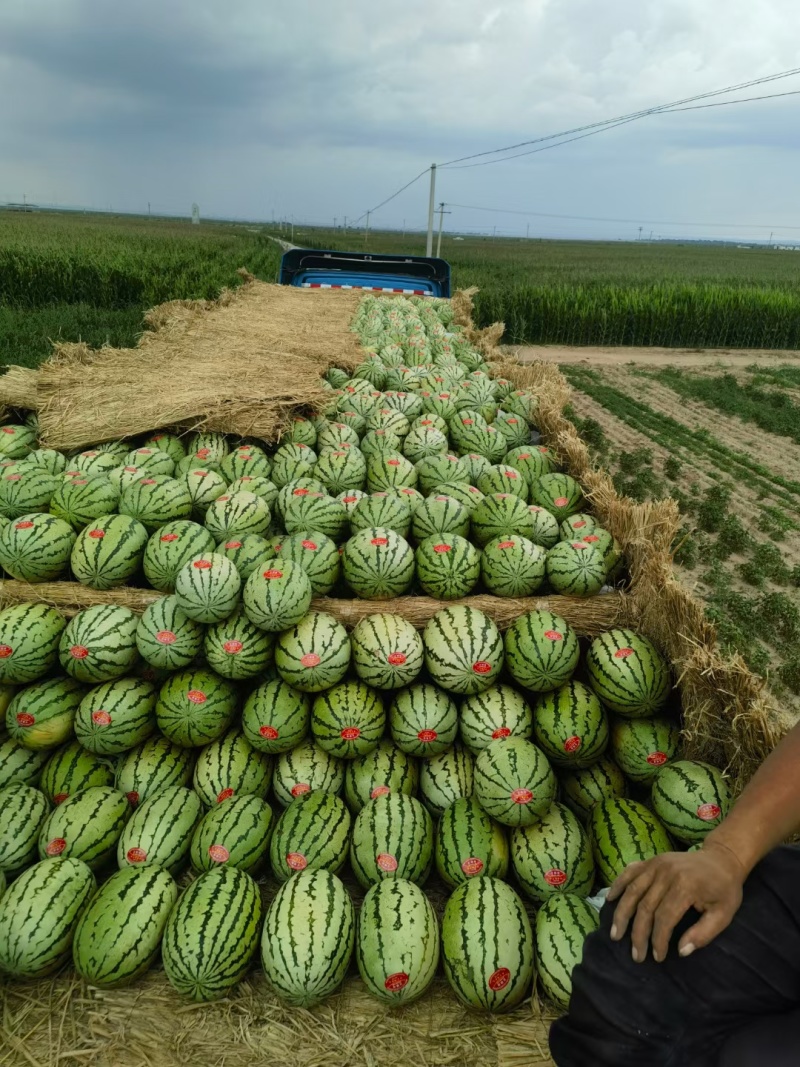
[[389, 198], [633, 222]]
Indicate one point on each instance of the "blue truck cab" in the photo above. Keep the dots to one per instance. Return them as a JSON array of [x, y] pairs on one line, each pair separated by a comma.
[[309, 268]]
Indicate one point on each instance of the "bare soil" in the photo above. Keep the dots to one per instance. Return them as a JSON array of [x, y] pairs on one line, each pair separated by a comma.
[[654, 357]]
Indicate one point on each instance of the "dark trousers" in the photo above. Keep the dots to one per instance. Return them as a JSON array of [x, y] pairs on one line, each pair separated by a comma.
[[735, 1003]]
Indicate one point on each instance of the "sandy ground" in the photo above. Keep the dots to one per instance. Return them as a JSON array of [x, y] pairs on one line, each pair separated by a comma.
[[654, 357]]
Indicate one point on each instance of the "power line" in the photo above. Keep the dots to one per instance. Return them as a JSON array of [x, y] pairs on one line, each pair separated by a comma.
[[389, 198]]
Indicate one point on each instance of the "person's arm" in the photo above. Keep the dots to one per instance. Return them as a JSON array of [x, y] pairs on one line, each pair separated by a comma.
[[655, 895]]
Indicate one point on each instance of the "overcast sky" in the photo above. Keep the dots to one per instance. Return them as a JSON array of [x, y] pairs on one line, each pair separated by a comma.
[[319, 109]]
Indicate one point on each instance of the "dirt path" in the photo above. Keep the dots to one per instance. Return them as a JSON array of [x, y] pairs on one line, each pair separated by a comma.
[[653, 357]]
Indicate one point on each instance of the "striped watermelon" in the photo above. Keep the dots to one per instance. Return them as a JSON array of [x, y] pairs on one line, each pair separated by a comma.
[[212, 934], [628, 673], [443, 467], [306, 768], [690, 799], [18, 441], [235, 833], [378, 564], [314, 654], [149, 769], [446, 778], [300, 968], [318, 513], [208, 446], [116, 716], [317, 555], [503, 478], [423, 720], [262, 487], [350, 498], [86, 826], [121, 478], [154, 460], [159, 832], [25, 490], [501, 515], [463, 650], [390, 470], [575, 568], [195, 707], [205, 486], [438, 516], [42, 716], [448, 567], [340, 469], [611, 551], [313, 833], [50, 460], [78, 501], [167, 442], [386, 510], [562, 925], [424, 441], [577, 526], [19, 764], [166, 637], [514, 781], [70, 769], [642, 746], [623, 832], [570, 726], [392, 838], [246, 461], [487, 945], [302, 431], [237, 515], [541, 651], [277, 596], [276, 717], [515, 429], [169, 550], [23, 809], [512, 566], [108, 551], [545, 527], [298, 487], [348, 720], [230, 767], [118, 936], [469, 843], [36, 547], [236, 648], [465, 494], [29, 637], [38, 916], [380, 442], [582, 789], [387, 651], [553, 855], [207, 588], [473, 465], [496, 713], [393, 420], [246, 553], [337, 435], [99, 643], [559, 493], [398, 944], [156, 499], [387, 769]]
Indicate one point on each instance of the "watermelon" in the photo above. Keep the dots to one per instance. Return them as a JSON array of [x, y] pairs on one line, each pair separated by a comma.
[[348, 720], [440, 515], [154, 460], [503, 479], [70, 769], [167, 442], [299, 487], [17, 440], [387, 651], [545, 527], [23, 809], [448, 567], [562, 925], [610, 549], [317, 555], [577, 526], [553, 855], [166, 637], [495, 713], [47, 458], [236, 648], [512, 566], [317, 513], [19, 764], [38, 916], [29, 637], [582, 789], [230, 767], [515, 429], [247, 553], [514, 781], [313, 833], [623, 832], [392, 838], [42, 716], [350, 498], [559, 493], [207, 588], [628, 673], [121, 478], [304, 969], [341, 469], [205, 486], [386, 769], [208, 446], [237, 515], [424, 441], [336, 435], [465, 494], [443, 467], [397, 946], [487, 945], [575, 568], [155, 500], [262, 487], [86, 826], [386, 510], [108, 551], [446, 778], [423, 720], [78, 501], [302, 431], [26, 490], [152, 767], [36, 547], [246, 460], [570, 726], [99, 643], [690, 799], [170, 548], [642, 746], [469, 843], [195, 707], [212, 934], [277, 596], [159, 832], [314, 654], [378, 564], [116, 716], [501, 515], [463, 650], [541, 651], [306, 768], [380, 442], [276, 717], [472, 466], [235, 833]]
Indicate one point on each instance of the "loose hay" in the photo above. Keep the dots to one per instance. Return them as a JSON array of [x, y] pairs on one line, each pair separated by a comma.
[[18, 388]]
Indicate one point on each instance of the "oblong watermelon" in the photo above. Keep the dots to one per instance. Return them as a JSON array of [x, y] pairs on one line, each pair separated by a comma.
[[387, 651], [313, 833], [230, 766], [463, 650], [116, 716], [86, 826], [236, 833], [553, 855], [469, 844], [42, 716], [99, 643], [159, 833], [446, 777], [392, 838], [72, 768], [29, 638], [23, 809], [151, 768], [514, 782], [397, 947], [623, 832], [562, 925]]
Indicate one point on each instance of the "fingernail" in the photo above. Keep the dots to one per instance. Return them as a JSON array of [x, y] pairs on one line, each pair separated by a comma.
[[635, 954], [657, 957], [614, 932], [687, 950]]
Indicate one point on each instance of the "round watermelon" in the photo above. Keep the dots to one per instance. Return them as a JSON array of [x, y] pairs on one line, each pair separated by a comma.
[[463, 650], [80, 500], [628, 673], [234, 834], [348, 720], [495, 713], [423, 720], [237, 515], [152, 767], [314, 654], [387, 651], [378, 564], [166, 637], [116, 716], [446, 777], [501, 515], [386, 769], [553, 855], [512, 566], [440, 515], [582, 789], [392, 838], [195, 707], [575, 568], [275, 717], [205, 486], [690, 799], [448, 567], [108, 551], [36, 547], [312, 834], [207, 588], [559, 493], [514, 781], [277, 596], [99, 643], [155, 500], [570, 726], [29, 640], [306, 768], [236, 648], [541, 651], [386, 510], [317, 555], [642, 746], [229, 766], [247, 553]]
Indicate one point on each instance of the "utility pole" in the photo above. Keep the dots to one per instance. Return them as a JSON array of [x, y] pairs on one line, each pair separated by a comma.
[[292, 229], [148, 209], [640, 233], [527, 231], [431, 206], [345, 224], [366, 231], [442, 214]]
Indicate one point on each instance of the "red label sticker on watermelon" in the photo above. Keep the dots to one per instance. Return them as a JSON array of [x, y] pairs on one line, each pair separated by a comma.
[[572, 744], [511, 422], [296, 860], [202, 564], [393, 462], [225, 794], [133, 798], [24, 719], [561, 501], [442, 548], [506, 544], [273, 574], [427, 735], [524, 455], [396, 659], [79, 652], [299, 788], [101, 718], [379, 791], [197, 696], [349, 499], [9, 429], [13, 477], [79, 481], [218, 853], [379, 541], [269, 732], [233, 544], [386, 862], [6, 651], [395, 982], [311, 659], [59, 798], [350, 733], [472, 866], [579, 525], [553, 635], [147, 481], [590, 539], [709, 812], [500, 732], [481, 667], [55, 847], [623, 653], [166, 637], [232, 647], [203, 453], [310, 545], [128, 470], [580, 545], [168, 537], [521, 796], [136, 855], [27, 525], [655, 759], [500, 979]]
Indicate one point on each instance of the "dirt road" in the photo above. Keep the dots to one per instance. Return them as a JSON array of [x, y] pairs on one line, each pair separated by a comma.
[[653, 357]]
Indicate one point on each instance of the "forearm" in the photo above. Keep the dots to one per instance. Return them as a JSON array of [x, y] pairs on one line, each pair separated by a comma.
[[768, 810]]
